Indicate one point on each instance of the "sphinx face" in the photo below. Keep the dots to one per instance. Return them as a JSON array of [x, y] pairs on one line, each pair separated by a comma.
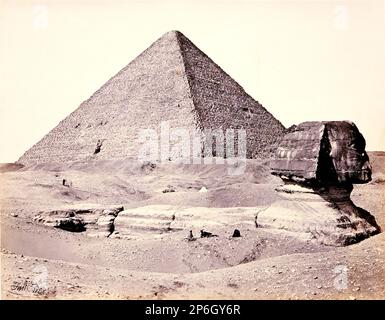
[[347, 153]]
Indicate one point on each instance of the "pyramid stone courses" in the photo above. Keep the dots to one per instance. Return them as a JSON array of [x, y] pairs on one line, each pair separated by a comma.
[[170, 81]]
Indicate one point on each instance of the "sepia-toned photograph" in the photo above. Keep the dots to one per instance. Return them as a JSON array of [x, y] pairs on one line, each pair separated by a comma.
[[192, 150]]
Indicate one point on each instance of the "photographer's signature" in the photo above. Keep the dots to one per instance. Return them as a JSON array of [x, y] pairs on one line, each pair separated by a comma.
[[30, 286]]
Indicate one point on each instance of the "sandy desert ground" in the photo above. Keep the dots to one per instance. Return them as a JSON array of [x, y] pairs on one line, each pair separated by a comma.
[[160, 263]]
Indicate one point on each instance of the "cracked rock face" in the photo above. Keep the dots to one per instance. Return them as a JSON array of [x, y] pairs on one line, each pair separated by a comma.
[[319, 163]]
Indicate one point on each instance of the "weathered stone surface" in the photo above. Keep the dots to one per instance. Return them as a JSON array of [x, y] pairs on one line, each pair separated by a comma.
[[170, 81], [95, 221], [326, 152], [327, 216], [165, 218], [346, 147], [320, 162]]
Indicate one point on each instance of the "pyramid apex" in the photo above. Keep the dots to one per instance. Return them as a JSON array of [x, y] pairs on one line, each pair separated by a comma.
[[172, 33]]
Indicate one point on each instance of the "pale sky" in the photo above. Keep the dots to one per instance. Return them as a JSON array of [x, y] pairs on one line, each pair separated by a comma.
[[303, 60]]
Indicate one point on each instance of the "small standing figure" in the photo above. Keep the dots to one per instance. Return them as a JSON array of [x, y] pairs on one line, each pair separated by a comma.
[[190, 236]]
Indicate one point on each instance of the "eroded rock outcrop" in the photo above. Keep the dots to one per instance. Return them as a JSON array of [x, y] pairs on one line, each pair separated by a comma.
[[319, 162], [158, 219], [96, 222]]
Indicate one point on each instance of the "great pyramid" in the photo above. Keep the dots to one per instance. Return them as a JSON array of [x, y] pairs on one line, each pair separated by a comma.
[[172, 81]]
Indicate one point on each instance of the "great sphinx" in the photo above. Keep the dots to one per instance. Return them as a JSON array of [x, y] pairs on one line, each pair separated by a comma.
[[318, 163]]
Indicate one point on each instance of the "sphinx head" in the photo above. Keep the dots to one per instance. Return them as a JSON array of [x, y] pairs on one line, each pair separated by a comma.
[[330, 152], [345, 146]]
